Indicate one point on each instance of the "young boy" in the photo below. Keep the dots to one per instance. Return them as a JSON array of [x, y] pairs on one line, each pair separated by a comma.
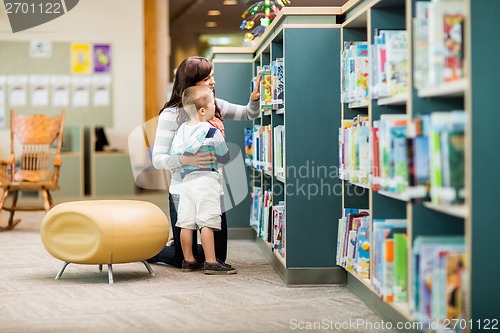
[[199, 206]]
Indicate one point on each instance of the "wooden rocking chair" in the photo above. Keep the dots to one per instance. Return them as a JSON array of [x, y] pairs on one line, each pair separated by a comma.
[[38, 167]]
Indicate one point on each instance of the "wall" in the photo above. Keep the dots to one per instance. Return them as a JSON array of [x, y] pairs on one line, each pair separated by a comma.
[[116, 22]]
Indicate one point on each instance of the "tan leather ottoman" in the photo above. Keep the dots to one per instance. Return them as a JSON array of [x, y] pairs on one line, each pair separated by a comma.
[[104, 232]]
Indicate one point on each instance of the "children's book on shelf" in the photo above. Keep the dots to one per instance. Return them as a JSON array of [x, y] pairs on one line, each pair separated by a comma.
[[257, 145], [374, 157], [445, 299], [362, 257], [391, 149], [248, 146], [421, 44], [437, 11], [378, 61], [278, 229], [354, 150], [266, 216], [342, 147], [256, 208], [456, 156], [446, 139], [453, 46], [362, 144], [279, 151], [399, 172], [278, 83], [397, 61], [419, 159], [347, 235], [261, 147], [400, 284], [266, 88]]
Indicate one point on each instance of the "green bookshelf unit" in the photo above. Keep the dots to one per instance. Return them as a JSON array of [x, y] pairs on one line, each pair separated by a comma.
[[433, 172]]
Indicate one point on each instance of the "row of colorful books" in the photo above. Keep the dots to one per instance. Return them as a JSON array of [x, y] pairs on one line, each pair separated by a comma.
[[421, 159], [354, 159], [258, 148], [390, 278], [260, 212], [438, 29], [386, 249], [439, 280], [353, 241], [354, 69], [269, 220], [438, 271], [377, 70], [261, 148], [389, 63]]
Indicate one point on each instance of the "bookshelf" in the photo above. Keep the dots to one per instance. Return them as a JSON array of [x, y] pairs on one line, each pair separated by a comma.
[[310, 229], [361, 21]]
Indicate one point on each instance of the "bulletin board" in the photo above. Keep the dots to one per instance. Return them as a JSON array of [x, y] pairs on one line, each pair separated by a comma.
[[46, 77]]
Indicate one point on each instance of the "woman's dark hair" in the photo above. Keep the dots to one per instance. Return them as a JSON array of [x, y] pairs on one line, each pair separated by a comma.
[[191, 71]]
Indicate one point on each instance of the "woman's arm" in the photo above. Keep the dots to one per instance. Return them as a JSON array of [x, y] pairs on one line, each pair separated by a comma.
[[165, 131]]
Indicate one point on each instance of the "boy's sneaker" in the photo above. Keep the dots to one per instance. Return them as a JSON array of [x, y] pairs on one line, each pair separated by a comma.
[[189, 266], [218, 268]]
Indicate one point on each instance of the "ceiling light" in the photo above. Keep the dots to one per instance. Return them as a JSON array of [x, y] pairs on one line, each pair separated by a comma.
[[230, 2], [214, 12], [211, 24]]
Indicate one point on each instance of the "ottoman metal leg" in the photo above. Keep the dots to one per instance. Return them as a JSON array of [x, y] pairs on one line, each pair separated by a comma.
[[100, 267], [148, 266], [110, 274], [61, 271]]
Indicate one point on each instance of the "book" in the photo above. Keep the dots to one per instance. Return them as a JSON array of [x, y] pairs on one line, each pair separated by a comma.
[[421, 44], [248, 146], [278, 229], [397, 61], [400, 268], [279, 150], [437, 10], [456, 156], [266, 88], [278, 83], [453, 25], [380, 86], [362, 258]]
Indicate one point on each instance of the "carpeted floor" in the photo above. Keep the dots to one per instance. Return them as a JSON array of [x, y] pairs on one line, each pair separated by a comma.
[[254, 300]]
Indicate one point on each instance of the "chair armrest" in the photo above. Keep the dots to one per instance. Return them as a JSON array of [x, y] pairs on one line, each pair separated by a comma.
[[4, 172], [11, 159], [57, 160]]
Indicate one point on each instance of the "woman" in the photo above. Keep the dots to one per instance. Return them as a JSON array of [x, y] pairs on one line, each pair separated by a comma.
[[193, 71]]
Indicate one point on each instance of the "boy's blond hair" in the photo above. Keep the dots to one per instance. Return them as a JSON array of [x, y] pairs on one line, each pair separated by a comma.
[[195, 98]]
